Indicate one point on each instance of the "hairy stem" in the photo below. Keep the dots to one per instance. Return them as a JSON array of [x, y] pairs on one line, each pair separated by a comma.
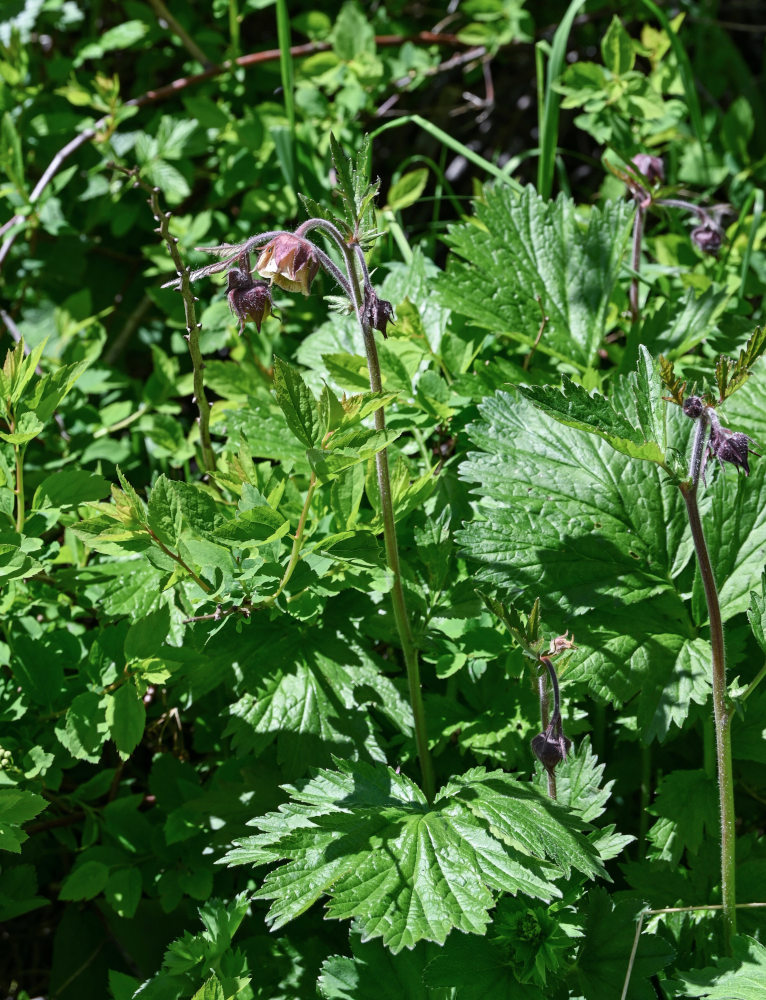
[[721, 708], [401, 616], [542, 692], [19, 452], [635, 260]]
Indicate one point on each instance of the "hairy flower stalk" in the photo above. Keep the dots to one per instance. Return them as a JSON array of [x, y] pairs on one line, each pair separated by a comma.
[[291, 261], [720, 446], [644, 184], [550, 747], [373, 313]]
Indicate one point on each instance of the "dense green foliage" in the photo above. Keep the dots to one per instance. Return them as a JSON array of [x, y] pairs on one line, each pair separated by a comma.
[[213, 734]]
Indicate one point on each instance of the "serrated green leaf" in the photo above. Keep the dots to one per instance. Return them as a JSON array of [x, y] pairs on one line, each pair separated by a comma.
[[366, 838], [617, 48], [87, 881], [604, 955], [296, 402], [741, 976], [211, 990], [17, 806], [578, 783], [126, 718], [522, 255], [374, 971], [686, 804], [310, 695], [573, 406], [733, 511], [609, 575]]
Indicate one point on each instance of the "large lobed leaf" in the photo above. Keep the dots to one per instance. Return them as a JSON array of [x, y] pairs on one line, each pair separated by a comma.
[[525, 255], [366, 838]]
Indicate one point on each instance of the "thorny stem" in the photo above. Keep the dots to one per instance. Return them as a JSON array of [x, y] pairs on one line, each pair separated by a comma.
[[409, 649], [721, 706], [192, 329], [555, 719]]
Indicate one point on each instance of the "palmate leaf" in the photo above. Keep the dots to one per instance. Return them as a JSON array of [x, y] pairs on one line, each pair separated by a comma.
[[309, 690], [642, 437], [738, 978], [375, 972], [366, 838], [524, 255], [606, 947], [601, 538]]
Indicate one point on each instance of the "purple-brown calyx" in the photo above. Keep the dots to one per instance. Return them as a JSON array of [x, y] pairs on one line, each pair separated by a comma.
[[377, 312], [248, 299]]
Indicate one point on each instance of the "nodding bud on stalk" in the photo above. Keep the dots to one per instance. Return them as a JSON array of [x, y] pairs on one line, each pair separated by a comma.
[[290, 262], [726, 445], [651, 167], [377, 312], [248, 299], [552, 746], [708, 237]]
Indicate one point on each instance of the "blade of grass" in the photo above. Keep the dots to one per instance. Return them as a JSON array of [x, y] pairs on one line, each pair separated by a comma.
[[453, 144], [286, 63], [285, 138], [548, 109]]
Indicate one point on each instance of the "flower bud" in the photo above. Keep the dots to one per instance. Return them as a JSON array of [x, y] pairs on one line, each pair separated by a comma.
[[377, 312], [290, 262], [551, 747], [708, 237], [731, 446], [248, 299], [694, 407], [651, 167]]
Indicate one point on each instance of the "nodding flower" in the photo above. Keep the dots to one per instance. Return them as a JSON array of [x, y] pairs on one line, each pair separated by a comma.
[[290, 262]]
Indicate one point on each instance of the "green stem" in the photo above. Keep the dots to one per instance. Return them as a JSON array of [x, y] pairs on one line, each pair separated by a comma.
[[752, 685], [19, 451], [295, 553], [635, 260], [181, 562], [409, 648], [721, 708]]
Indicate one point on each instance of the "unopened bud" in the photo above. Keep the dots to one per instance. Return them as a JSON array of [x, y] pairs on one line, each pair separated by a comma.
[[708, 237]]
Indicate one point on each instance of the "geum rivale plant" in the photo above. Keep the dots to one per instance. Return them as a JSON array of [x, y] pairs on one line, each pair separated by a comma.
[[409, 863], [622, 657]]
